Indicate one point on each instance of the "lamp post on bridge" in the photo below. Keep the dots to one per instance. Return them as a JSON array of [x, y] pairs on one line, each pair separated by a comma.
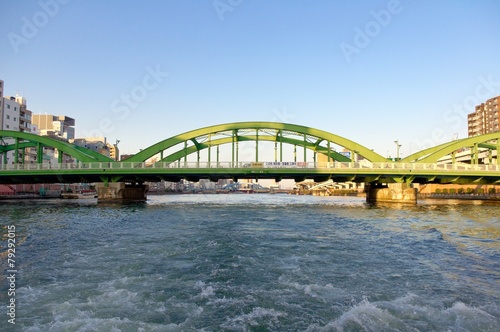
[[397, 149]]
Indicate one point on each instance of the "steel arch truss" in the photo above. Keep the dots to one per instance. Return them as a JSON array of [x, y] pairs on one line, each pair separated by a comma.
[[19, 141], [306, 138], [477, 144]]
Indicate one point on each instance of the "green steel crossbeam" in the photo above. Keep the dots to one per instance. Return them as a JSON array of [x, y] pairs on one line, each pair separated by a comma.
[[433, 154], [233, 133], [193, 149], [235, 127], [79, 153], [112, 172]]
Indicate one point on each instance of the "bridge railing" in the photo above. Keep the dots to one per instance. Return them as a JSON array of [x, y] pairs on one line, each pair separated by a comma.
[[364, 165]]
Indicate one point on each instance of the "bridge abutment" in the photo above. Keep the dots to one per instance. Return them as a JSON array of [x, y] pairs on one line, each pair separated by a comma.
[[393, 193], [120, 191]]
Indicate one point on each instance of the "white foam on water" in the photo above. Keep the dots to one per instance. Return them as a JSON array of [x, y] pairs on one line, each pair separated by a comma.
[[269, 318], [78, 315], [122, 298], [206, 291], [313, 290], [413, 313], [118, 287], [229, 301], [29, 294], [461, 317], [110, 324], [369, 317]]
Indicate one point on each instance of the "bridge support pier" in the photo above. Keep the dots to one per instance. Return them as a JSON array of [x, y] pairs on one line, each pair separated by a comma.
[[121, 191], [393, 193]]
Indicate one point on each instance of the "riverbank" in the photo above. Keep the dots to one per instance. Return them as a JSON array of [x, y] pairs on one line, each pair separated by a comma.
[[44, 195]]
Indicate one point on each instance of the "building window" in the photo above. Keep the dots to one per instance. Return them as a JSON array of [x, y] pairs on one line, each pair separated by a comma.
[[8, 106], [15, 119], [8, 117], [7, 126]]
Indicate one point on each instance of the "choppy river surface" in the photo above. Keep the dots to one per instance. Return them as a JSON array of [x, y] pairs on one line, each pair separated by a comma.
[[252, 263]]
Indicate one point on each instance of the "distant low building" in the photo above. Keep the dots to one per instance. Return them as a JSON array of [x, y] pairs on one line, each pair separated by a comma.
[[97, 144], [125, 156]]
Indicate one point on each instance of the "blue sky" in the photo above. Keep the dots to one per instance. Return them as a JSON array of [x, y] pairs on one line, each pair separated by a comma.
[[371, 71]]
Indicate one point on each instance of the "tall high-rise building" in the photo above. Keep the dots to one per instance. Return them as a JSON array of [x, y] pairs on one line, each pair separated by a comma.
[[485, 118]]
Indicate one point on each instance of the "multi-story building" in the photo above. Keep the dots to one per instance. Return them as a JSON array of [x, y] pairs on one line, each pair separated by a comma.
[[1, 104], [61, 126], [10, 119], [100, 145], [485, 118], [97, 144], [14, 114], [55, 126], [24, 115], [114, 152], [10, 114]]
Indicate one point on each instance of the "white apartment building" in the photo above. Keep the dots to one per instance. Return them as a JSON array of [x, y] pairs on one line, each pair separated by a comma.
[[24, 115], [9, 120], [1, 104], [10, 114], [15, 116]]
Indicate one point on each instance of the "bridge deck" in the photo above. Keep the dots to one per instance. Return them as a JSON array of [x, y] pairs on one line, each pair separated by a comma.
[[381, 172]]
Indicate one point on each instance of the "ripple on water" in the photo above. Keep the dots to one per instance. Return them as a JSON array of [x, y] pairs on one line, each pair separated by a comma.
[[256, 262]]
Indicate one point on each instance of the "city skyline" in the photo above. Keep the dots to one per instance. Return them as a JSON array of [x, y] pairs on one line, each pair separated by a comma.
[[373, 72]]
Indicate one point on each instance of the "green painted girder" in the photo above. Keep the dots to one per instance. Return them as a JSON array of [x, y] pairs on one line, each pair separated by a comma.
[[221, 141], [96, 155], [234, 127], [487, 146], [79, 153], [416, 157], [433, 154], [22, 145], [111, 172]]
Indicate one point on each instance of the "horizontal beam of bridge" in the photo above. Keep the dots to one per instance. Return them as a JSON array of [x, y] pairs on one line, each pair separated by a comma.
[[385, 172]]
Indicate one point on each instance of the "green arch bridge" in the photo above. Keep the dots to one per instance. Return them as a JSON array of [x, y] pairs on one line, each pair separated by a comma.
[[299, 153]]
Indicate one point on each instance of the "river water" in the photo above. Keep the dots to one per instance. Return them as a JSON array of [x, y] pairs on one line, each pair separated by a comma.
[[253, 263]]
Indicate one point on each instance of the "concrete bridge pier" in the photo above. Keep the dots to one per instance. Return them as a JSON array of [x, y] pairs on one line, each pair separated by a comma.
[[393, 193], [121, 191]]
